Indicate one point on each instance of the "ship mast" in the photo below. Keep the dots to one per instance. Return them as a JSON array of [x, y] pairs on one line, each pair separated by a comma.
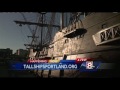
[[41, 24], [62, 21]]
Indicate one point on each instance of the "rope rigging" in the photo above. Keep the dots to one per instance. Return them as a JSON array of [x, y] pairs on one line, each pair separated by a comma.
[[26, 21], [24, 36]]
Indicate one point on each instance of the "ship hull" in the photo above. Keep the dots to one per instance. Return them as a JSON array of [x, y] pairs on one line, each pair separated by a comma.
[[101, 41]]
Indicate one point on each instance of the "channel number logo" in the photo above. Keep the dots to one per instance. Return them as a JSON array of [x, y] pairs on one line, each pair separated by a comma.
[[89, 65]]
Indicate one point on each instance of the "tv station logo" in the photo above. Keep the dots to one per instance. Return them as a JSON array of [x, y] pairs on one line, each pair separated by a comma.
[[89, 65]]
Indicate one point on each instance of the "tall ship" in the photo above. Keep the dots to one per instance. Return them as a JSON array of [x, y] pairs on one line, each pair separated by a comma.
[[79, 35]]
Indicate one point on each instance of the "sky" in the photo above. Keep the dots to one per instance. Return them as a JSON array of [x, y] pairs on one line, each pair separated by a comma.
[[11, 34]]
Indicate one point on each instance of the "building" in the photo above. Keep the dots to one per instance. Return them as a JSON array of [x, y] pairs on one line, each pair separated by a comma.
[[4, 53], [21, 52]]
